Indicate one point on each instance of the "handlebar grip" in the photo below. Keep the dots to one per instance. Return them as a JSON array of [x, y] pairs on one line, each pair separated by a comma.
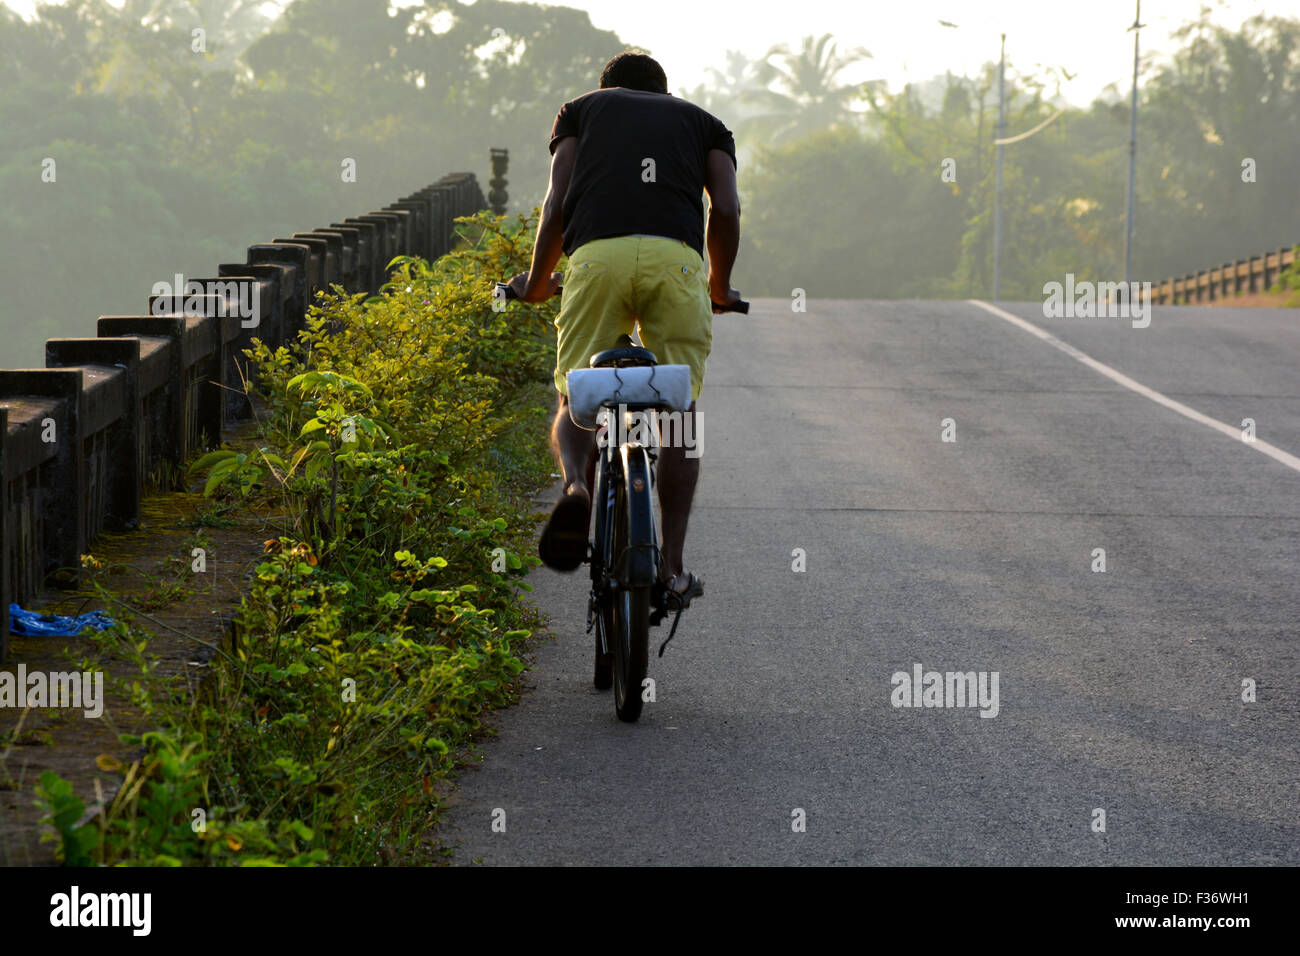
[[503, 291], [740, 305]]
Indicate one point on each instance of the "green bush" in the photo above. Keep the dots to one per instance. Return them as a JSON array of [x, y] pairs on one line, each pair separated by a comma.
[[396, 439]]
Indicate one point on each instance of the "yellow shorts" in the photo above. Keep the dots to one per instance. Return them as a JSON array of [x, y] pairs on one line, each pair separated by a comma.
[[612, 284]]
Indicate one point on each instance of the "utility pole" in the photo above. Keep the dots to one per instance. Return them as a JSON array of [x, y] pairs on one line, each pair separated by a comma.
[[997, 208], [1132, 150]]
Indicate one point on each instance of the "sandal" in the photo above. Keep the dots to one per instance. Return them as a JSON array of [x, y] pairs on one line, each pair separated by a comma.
[[677, 601], [682, 599], [563, 545]]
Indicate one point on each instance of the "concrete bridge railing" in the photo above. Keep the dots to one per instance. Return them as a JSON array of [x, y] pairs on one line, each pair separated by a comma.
[[110, 416]]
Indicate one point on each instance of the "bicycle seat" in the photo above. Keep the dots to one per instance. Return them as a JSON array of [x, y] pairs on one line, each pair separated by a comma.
[[622, 357]]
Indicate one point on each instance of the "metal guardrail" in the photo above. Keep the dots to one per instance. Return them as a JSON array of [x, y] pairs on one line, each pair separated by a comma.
[[1255, 274], [109, 417]]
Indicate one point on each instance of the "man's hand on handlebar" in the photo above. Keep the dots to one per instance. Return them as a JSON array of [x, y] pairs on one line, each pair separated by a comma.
[[722, 295], [538, 293]]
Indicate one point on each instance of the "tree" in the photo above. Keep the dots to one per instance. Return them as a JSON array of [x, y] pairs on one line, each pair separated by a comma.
[[834, 214], [1225, 98], [800, 93]]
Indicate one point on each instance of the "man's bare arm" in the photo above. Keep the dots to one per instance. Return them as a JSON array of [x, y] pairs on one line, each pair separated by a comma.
[[542, 280], [722, 236]]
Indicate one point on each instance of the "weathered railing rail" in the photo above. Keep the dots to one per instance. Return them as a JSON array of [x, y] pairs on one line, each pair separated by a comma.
[[84, 438], [1256, 274]]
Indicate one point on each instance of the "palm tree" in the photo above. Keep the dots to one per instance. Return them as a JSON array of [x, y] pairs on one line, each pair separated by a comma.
[[729, 90], [800, 93]]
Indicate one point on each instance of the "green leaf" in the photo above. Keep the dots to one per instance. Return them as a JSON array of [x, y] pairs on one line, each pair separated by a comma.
[[211, 458], [298, 456], [214, 480]]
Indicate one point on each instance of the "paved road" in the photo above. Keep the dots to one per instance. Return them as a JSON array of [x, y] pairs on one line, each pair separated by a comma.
[[1119, 691]]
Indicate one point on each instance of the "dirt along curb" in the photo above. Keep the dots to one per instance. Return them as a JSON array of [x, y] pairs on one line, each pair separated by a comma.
[[155, 577]]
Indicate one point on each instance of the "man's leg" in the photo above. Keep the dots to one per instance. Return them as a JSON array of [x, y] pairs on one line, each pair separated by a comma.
[[591, 318], [574, 449], [676, 324], [563, 544], [677, 474]]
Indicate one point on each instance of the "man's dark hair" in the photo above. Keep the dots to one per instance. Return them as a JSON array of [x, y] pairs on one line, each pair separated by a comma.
[[634, 70]]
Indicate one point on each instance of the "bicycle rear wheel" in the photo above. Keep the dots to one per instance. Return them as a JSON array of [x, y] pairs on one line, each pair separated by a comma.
[[631, 615], [634, 544]]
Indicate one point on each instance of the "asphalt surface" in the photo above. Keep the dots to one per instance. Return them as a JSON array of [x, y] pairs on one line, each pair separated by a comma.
[[1118, 690]]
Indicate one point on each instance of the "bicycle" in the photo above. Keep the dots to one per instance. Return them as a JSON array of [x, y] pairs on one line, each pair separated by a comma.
[[627, 596]]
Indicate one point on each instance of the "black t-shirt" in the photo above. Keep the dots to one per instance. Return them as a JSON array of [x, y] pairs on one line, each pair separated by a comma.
[[612, 192]]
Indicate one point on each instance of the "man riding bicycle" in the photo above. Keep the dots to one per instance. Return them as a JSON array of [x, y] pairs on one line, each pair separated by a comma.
[[629, 164]]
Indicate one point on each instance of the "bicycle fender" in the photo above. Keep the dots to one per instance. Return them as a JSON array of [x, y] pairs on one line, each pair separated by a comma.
[[638, 564]]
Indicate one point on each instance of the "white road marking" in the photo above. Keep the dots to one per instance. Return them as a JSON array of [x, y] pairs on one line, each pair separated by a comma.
[[1277, 454]]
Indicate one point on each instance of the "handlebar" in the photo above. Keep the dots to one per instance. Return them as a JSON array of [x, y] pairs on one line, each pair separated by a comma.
[[740, 305], [503, 291]]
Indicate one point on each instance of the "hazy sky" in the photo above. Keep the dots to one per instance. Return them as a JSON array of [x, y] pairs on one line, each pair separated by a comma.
[[1088, 39], [905, 37]]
